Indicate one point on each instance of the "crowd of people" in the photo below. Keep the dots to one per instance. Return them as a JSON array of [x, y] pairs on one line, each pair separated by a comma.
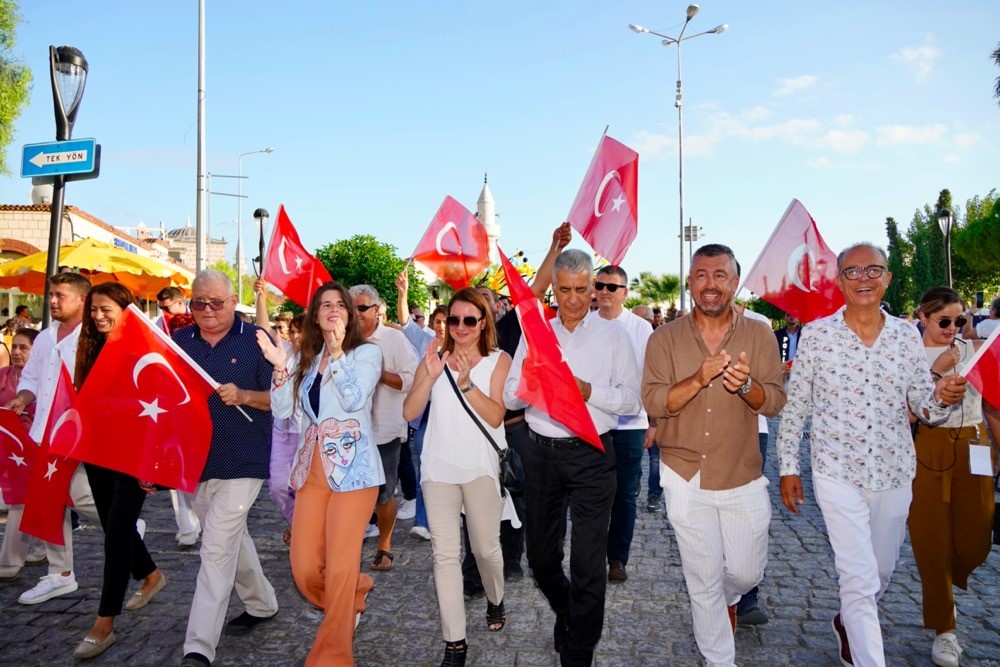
[[337, 395]]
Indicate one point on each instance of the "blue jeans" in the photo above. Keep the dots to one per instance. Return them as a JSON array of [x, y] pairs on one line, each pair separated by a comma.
[[627, 444], [654, 488], [420, 518]]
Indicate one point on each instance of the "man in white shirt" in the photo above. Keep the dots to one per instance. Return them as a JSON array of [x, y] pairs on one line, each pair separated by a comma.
[[632, 434], [986, 327], [399, 363], [859, 374], [563, 471], [53, 348]]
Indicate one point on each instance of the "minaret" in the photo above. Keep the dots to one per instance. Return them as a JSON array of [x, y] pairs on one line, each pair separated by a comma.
[[486, 212]]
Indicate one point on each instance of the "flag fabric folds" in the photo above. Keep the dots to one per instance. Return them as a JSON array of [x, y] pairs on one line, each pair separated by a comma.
[[606, 209], [289, 266], [17, 455], [455, 246], [983, 370], [796, 271], [547, 382], [51, 474], [145, 408]]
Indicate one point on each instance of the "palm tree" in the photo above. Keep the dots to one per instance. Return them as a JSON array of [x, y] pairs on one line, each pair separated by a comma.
[[656, 288], [996, 60]]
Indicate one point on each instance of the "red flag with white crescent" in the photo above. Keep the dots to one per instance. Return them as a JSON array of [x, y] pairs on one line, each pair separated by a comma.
[[796, 271], [145, 408], [17, 454], [983, 370], [606, 209], [289, 266], [455, 246], [547, 382], [48, 489]]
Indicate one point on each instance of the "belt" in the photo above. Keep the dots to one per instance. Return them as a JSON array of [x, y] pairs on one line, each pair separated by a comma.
[[555, 443], [514, 420]]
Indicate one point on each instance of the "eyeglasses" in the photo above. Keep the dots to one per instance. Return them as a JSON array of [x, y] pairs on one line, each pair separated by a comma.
[[854, 272], [365, 309], [945, 322], [469, 321], [214, 304], [611, 287]]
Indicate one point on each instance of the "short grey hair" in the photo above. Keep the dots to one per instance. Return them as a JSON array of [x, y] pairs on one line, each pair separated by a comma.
[[863, 244], [212, 276], [610, 270], [573, 261], [366, 290]]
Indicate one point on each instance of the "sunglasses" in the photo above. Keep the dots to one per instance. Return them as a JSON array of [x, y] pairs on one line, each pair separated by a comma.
[[469, 321], [945, 322], [166, 307], [365, 309], [611, 287], [214, 304], [418, 317]]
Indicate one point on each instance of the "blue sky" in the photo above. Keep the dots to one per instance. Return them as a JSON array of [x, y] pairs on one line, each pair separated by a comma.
[[377, 110]]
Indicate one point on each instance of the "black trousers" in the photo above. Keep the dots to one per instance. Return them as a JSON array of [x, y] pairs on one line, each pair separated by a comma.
[[119, 500], [584, 480]]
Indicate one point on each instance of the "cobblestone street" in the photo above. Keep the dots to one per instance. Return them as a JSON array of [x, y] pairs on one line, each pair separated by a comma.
[[647, 622]]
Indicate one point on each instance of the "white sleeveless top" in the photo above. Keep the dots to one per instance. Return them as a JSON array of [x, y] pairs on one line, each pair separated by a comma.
[[970, 412]]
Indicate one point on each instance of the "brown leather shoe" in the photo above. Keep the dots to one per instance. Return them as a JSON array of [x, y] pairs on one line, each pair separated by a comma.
[[616, 572], [845, 648]]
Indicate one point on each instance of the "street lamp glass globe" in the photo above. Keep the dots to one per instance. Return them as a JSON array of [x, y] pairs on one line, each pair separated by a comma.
[[719, 29], [691, 11], [636, 28], [71, 73], [268, 150], [944, 221]]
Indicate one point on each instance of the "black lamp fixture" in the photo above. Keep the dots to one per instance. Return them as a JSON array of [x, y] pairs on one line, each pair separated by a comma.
[[261, 215]]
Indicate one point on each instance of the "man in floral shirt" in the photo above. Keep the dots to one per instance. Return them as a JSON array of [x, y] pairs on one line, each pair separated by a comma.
[[859, 373]]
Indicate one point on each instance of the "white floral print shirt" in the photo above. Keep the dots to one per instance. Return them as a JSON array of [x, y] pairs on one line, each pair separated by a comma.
[[859, 399]]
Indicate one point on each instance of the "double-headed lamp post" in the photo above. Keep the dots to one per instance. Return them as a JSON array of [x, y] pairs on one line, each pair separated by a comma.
[[670, 41], [239, 220], [68, 72], [261, 215], [944, 221]]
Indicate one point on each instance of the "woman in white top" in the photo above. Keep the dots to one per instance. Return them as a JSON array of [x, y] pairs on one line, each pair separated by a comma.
[[951, 515], [458, 465]]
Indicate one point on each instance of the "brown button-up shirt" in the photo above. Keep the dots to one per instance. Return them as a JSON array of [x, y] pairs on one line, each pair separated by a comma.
[[716, 432]]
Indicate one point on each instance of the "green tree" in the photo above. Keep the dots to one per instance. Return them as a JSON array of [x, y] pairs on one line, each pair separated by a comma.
[[900, 254], [765, 308], [928, 262], [976, 248], [656, 289], [249, 297], [362, 259], [15, 79]]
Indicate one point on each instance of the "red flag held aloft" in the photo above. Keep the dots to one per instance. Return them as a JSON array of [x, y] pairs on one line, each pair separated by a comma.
[[547, 382], [455, 246], [51, 475], [796, 270], [17, 455], [606, 209], [289, 266], [983, 370], [155, 398]]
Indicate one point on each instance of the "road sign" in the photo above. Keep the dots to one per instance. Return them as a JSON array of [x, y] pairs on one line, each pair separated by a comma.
[[77, 156]]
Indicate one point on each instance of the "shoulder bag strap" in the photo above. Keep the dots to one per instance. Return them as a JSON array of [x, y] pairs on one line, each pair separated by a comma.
[[461, 399]]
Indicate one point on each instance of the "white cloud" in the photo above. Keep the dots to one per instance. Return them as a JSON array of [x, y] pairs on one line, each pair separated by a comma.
[[952, 159], [919, 60], [788, 86], [895, 135], [846, 141], [819, 163], [966, 140], [844, 120], [648, 144]]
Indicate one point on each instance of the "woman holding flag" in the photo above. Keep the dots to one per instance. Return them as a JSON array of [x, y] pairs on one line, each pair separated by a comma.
[[336, 470], [119, 497], [951, 514]]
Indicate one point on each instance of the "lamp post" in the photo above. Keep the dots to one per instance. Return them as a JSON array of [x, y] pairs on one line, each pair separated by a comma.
[[944, 222], [670, 41], [239, 220], [68, 73], [261, 215]]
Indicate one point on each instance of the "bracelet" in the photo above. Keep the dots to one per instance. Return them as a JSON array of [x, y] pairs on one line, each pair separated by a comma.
[[935, 375], [469, 388]]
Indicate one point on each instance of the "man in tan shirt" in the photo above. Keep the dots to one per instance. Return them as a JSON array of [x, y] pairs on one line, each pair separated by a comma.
[[706, 378]]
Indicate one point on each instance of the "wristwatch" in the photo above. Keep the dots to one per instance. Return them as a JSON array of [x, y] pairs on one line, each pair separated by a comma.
[[469, 388], [745, 389]]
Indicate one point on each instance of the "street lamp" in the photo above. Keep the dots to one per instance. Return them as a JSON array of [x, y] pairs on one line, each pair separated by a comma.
[[261, 215], [239, 220], [944, 222], [670, 41], [68, 73]]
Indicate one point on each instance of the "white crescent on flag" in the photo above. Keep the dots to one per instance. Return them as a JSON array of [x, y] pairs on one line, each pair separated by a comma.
[[281, 258], [437, 241], [600, 191], [18, 460], [71, 415], [157, 358], [793, 266]]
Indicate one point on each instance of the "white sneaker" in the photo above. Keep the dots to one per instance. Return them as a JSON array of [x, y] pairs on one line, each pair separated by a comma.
[[49, 586], [371, 531], [946, 651], [9, 571], [140, 527], [421, 532], [407, 510], [188, 539]]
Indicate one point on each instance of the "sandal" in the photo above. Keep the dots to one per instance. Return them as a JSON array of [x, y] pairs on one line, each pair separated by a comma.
[[287, 537], [496, 616], [454, 654], [379, 563]]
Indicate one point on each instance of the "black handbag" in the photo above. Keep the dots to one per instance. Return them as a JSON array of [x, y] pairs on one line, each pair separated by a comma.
[[511, 473]]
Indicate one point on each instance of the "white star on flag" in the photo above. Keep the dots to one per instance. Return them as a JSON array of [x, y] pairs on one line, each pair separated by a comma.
[[298, 264], [618, 201], [52, 470], [152, 410], [18, 460]]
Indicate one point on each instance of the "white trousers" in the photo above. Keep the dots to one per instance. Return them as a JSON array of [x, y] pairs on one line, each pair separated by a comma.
[[866, 530], [61, 558], [14, 550], [228, 558], [722, 538], [183, 504]]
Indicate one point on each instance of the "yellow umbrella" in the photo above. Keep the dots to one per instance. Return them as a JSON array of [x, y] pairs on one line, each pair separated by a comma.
[[101, 263]]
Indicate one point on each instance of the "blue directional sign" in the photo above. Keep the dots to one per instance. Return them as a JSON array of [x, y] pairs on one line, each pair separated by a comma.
[[56, 158]]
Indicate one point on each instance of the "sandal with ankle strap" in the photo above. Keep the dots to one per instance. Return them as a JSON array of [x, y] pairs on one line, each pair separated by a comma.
[[383, 561], [496, 616], [454, 654]]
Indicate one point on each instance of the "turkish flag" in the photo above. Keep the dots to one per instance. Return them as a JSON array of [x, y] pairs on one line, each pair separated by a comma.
[[289, 266], [455, 246], [796, 270], [17, 453], [51, 475], [606, 210], [145, 407], [983, 370], [546, 379]]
